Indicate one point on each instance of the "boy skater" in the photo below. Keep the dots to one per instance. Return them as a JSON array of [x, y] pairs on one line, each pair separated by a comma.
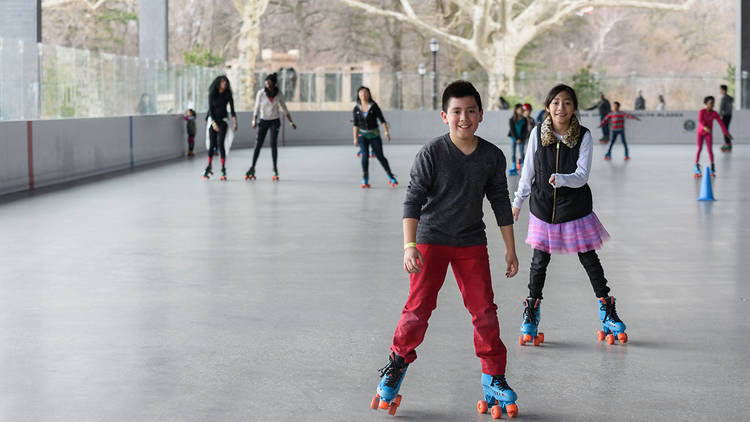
[[617, 120], [443, 225]]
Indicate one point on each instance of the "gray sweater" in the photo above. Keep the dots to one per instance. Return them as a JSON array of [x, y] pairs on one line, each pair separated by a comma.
[[447, 189]]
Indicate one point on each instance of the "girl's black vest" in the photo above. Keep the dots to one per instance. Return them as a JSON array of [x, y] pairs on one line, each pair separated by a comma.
[[566, 204]]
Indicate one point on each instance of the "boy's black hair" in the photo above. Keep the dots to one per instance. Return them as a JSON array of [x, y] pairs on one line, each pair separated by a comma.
[[558, 89], [460, 89], [709, 98], [617, 103], [724, 87], [191, 111]]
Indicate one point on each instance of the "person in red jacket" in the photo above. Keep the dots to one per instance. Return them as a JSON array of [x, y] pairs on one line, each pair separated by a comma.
[[706, 117], [616, 120]]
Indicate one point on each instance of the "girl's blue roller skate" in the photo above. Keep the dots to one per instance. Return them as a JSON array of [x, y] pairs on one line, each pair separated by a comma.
[[392, 374], [498, 397], [365, 182], [697, 171], [612, 326], [392, 180], [532, 313]]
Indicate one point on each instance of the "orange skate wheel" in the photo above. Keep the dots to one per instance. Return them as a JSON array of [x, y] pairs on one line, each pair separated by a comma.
[[384, 404], [397, 400], [600, 335], [622, 337], [482, 406], [541, 337], [496, 412], [511, 410], [610, 339], [392, 409], [527, 337], [375, 402], [536, 341], [520, 340]]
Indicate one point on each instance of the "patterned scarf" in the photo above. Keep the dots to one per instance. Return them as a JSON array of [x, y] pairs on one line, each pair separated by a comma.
[[570, 138]]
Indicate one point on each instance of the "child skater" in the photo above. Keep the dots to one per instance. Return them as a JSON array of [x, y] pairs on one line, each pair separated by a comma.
[[706, 117], [443, 225], [562, 219], [366, 115], [517, 133], [530, 123], [190, 123], [616, 119]]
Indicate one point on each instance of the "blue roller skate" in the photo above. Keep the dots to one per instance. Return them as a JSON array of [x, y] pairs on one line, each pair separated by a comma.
[[365, 181], [713, 170], [513, 171], [697, 171], [532, 313], [392, 375], [498, 397], [392, 180], [612, 325]]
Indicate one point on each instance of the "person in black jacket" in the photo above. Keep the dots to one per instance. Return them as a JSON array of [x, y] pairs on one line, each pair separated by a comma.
[[219, 95], [604, 108], [518, 127], [562, 220], [366, 134]]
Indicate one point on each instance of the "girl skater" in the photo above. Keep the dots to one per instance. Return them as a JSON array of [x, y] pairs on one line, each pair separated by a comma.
[[562, 219], [706, 117], [267, 104], [190, 123], [530, 123], [219, 95], [366, 134], [517, 132]]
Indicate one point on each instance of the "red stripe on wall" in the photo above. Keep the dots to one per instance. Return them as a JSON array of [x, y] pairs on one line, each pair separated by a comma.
[[30, 148]]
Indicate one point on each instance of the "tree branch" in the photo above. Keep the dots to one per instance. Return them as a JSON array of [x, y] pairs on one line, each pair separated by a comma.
[[55, 3]]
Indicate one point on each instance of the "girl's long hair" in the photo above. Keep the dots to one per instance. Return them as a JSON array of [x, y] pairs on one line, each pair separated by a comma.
[[213, 89], [369, 94]]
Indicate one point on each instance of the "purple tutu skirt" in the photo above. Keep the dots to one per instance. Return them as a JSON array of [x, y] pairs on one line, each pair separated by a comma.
[[581, 235]]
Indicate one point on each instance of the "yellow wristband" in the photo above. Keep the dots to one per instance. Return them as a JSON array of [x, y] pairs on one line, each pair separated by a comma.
[[410, 245]]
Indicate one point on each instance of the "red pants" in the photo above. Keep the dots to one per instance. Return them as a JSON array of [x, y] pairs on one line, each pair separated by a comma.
[[709, 146], [471, 266]]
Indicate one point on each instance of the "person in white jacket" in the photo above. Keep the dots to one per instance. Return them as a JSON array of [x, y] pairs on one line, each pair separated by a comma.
[[268, 103]]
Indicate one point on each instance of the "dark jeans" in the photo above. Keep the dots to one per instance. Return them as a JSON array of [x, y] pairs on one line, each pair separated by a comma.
[[612, 141], [605, 128], [377, 149], [217, 139], [521, 147], [727, 119], [590, 262], [263, 127]]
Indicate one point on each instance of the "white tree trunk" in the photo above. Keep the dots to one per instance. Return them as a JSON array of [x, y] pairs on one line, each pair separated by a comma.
[[248, 44]]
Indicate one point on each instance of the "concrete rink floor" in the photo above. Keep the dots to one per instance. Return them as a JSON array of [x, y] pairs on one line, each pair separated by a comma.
[[153, 295]]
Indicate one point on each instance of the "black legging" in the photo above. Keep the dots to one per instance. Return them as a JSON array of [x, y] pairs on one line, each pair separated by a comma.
[[727, 120], [217, 139], [263, 127], [590, 262], [377, 149]]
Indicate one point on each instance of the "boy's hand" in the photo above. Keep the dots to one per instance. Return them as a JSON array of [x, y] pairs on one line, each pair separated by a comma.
[[730, 136], [511, 264], [552, 180], [413, 261], [706, 129], [356, 143], [516, 213]]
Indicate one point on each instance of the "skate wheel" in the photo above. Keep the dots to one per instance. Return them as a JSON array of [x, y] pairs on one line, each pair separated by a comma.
[[610, 339], [536, 341], [482, 406], [395, 403], [600, 335], [520, 340], [541, 337], [496, 412], [527, 338], [622, 337], [375, 402], [511, 410], [383, 404], [205, 177]]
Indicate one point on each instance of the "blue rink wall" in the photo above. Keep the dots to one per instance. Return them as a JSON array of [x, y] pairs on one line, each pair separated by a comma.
[[42, 153]]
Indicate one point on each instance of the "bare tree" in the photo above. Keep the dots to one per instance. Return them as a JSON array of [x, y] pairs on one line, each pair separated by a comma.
[[247, 43], [493, 32]]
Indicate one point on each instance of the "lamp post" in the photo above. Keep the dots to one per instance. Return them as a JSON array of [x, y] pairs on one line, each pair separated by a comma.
[[434, 47], [422, 71]]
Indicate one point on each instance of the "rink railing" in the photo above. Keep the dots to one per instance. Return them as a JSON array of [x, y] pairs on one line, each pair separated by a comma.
[[40, 153]]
